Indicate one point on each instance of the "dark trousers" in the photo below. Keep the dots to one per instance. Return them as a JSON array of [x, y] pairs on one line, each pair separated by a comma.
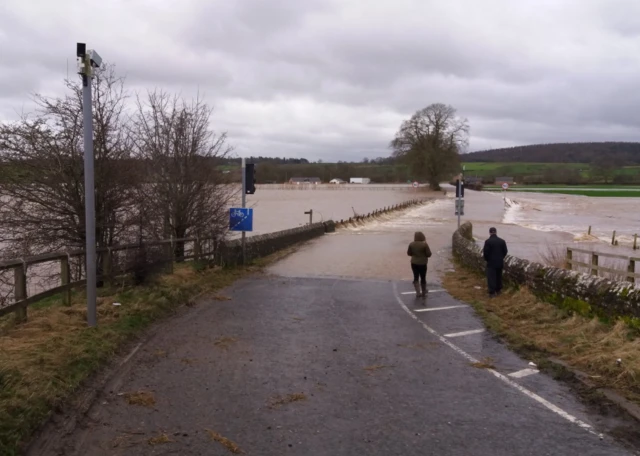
[[419, 272], [494, 280]]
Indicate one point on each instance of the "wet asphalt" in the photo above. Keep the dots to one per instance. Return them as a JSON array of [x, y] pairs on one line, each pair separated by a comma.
[[370, 379]]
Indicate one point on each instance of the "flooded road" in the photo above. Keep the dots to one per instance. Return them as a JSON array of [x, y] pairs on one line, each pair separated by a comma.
[[532, 225]]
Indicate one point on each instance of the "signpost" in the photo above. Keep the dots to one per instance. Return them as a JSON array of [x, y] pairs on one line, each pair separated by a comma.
[[459, 200], [240, 219], [505, 187]]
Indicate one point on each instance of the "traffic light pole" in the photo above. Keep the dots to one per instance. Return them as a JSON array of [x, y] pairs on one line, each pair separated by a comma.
[[244, 203]]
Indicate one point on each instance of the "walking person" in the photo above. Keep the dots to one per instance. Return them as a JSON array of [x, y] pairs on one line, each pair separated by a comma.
[[420, 253], [494, 252]]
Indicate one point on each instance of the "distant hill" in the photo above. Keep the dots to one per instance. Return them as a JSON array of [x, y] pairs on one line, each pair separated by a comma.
[[622, 153]]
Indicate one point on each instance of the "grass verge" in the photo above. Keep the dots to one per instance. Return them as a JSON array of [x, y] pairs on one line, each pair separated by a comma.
[[609, 353], [46, 359]]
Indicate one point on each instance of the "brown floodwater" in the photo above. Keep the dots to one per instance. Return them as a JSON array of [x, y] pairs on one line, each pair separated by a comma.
[[533, 226]]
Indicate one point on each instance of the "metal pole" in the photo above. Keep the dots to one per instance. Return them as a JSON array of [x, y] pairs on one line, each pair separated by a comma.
[[244, 202], [459, 210], [89, 198]]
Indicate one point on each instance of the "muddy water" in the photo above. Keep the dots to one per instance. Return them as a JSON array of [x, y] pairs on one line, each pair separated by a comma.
[[574, 214], [532, 227], [276, 210]]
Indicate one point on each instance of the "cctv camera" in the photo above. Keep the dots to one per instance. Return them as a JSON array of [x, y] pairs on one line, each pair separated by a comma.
[[96, 60]]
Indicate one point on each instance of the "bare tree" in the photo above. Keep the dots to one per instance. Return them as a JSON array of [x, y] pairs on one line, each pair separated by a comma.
[[430, 142], [43, 194], [184, 192]]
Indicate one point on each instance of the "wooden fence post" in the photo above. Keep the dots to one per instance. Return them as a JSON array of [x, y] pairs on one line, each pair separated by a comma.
[[569, 258], [197, 251], [613, 238], [594, 262], [168, 250], [635, 242], [20, 290], [65, 279], [631, 269], [589, 232]]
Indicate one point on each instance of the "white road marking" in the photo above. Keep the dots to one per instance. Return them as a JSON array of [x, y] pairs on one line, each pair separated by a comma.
[[523, 373], [428, 291], [465, 333], [505, 379], [130, 355], [438, 308]]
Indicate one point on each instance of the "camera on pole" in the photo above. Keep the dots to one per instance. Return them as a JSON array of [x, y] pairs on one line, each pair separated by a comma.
[[87, 61]]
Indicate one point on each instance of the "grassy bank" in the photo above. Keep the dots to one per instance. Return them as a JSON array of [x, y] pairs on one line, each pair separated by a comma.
[[540, 331], [47, 358]]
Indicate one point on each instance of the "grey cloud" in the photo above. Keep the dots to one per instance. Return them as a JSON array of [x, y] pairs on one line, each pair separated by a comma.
[[332, 77]]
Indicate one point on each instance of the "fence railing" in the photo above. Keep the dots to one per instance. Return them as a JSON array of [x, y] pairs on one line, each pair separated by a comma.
[[344, 187], [163, 254], [595, 268]]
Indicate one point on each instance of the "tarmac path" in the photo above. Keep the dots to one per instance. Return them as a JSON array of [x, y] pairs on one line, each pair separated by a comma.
[[328, 366]]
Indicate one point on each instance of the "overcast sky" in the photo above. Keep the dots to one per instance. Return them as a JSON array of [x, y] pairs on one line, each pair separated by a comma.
[[333, 79]]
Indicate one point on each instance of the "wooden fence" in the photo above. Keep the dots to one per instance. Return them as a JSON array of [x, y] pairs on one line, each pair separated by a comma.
[[595, 268], [200, 248]]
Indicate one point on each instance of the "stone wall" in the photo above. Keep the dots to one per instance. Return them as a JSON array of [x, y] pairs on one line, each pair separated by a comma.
[[229, 253], [372, 215], [586, 294]]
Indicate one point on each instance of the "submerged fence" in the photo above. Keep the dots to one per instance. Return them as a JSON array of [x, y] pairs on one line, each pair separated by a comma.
[[594, 266]]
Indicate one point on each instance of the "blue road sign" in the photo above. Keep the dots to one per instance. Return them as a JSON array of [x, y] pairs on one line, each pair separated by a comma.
[[240, 219]]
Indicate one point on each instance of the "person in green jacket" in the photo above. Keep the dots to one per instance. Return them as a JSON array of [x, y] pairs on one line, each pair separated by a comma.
[[420, 253]]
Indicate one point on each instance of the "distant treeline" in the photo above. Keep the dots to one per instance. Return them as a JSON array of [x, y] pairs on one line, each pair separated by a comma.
[[304, 161], [618, 153]]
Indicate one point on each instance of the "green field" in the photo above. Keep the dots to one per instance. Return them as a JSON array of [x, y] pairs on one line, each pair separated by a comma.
[[498, 168], [519, 168], [606, 192]]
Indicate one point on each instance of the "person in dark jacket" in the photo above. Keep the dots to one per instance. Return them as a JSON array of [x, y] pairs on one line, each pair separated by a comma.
[[494, 252], [420, 253]]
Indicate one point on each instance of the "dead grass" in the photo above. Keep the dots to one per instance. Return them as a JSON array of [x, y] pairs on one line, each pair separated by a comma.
[[279, 401], [225, 442], [225, 342], [45, 359], [159, 439], [221, 298], [484, 363], [554, 256], [141, 398], [542, 330]]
